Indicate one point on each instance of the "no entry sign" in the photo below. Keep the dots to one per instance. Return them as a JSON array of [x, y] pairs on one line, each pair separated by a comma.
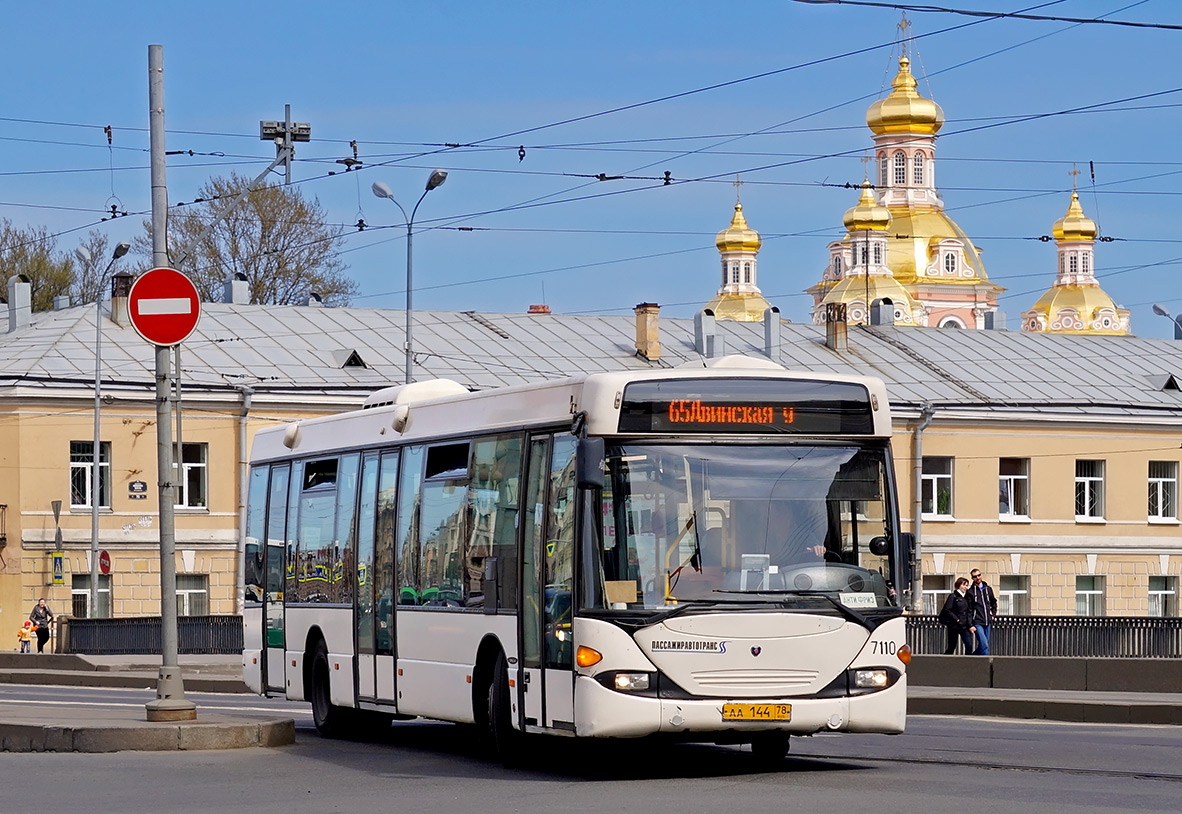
[[104, 562], [164, 306]]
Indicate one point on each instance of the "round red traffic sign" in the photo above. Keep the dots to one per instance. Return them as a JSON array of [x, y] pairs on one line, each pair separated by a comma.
[[164, 306], [104, 562]]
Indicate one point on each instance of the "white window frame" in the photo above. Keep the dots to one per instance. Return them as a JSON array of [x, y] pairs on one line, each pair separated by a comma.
[[1013, 489], [935, 589], [187, 596], [80, 593], [1089, 601], [883, 170], [84, 468], [746, 272], [189, 469], [900, 169], [878, 254], [1013, 595], [1163, 492], [1089, 489], [1163, 600], [917, 165], [931, 482], [950, 262]]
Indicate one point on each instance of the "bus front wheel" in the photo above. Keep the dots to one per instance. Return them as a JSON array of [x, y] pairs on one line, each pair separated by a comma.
[[331, 721]]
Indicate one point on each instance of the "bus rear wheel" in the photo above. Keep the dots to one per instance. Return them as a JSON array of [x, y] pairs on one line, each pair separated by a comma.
[[331, 721]]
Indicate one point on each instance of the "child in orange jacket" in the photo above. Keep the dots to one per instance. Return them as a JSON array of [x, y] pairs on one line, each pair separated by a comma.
[[24, 635]]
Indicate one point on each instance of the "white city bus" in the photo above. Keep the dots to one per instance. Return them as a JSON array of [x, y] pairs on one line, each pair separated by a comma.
[[708, 553]]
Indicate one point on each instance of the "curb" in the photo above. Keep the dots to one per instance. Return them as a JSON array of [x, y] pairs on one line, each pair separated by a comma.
[[1050, 710], [120, 679], [162, 737]]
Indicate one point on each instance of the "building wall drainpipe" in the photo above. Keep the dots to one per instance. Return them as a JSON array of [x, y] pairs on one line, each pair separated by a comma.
[[243, 491], [925, 419]]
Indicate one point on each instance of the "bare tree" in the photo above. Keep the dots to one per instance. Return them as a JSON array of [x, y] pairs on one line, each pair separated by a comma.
[[87, 279], [280, 241], [32, 251]]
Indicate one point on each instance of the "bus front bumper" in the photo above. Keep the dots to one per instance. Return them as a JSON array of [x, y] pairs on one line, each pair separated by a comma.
[[604, 713]]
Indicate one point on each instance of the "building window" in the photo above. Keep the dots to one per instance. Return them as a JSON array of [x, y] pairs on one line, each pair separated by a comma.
[[1013, 487], [1089, 490], [837, 266], [900, 169], [1013, 595], [192, 594], [917, 164], [936, 588], [80, 596], [191, 481], [1163, 490], [82, 470], [937, 487], [1085, 261], [882, 169], [1061, 262], [950, 262], [724, 272], [1089, 596], [1163, 596], [746, 272], [877, 254], [734, 272], [1073, 263]]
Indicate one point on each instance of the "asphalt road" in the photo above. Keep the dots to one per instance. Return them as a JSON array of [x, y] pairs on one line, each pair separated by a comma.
[[940, 764]]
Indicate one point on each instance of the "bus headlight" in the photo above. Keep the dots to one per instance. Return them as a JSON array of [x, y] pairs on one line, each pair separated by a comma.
[[631, 682], [872, 679]]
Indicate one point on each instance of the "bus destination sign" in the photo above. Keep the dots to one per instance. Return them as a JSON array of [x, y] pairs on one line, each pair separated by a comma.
[[747, 406]]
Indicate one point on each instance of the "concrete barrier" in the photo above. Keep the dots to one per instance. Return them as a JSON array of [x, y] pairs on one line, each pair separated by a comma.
[[1048, 673]]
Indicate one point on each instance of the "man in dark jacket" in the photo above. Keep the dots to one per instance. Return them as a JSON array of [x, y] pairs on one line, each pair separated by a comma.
[[956, 615], [983, 606]]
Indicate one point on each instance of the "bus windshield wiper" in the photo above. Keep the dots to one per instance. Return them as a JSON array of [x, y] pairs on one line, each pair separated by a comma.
[[844, 610]]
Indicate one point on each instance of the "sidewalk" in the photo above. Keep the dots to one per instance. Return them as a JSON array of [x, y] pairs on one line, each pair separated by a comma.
[[27, 727]]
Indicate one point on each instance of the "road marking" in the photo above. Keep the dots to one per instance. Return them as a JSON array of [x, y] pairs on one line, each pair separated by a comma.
[[164, 306]]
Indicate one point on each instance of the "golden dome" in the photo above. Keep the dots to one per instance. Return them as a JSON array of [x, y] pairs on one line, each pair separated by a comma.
[[867, 290], [914, 233], [904, 110], [867, 215], [738, 236], [1075, 225], [1075, 309], [747, 307]]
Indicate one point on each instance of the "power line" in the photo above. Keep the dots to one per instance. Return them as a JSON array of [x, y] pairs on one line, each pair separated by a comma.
[[996, 15]]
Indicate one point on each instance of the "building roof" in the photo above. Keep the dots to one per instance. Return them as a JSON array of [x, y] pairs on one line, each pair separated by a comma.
[[347, 353]]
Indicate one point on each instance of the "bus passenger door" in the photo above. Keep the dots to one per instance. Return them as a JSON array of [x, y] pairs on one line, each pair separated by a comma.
[[275, 572], [548, 584], [364, 617]]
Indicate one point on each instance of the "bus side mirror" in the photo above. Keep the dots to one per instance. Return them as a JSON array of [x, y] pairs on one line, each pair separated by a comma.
[[589, 463]]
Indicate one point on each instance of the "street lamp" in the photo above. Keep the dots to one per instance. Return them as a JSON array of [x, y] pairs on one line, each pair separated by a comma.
[[381, 190], [84, 256], [1162, 312]]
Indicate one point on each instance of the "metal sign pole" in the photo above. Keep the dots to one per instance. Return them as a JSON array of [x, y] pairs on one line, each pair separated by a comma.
[[170, 703]]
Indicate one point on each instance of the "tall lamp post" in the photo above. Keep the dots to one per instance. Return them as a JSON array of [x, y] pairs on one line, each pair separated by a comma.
[[95, 481], [1162, 312], [381, 190]]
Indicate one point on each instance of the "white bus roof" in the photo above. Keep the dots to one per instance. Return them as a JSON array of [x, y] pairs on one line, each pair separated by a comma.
[[439, 408]]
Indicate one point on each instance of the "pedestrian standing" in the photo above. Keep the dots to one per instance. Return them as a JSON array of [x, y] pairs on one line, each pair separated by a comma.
[[983, 603], [956, 616], [41, 617]]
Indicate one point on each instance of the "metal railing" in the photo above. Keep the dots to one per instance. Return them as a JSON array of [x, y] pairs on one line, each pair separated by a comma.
[[140, 635], [1079, 636]]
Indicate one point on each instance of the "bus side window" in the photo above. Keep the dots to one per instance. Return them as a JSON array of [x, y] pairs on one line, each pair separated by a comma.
[[493, 498], [256, 516], [408, 526]]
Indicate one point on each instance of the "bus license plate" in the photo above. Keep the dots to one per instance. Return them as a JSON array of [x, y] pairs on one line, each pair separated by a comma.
[[757, 712]]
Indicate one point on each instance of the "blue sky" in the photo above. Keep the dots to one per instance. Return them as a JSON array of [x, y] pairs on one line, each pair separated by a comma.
[[404, 79]]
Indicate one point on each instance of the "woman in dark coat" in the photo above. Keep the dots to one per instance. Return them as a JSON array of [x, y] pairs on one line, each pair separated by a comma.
[[41, 617], [955, 615]]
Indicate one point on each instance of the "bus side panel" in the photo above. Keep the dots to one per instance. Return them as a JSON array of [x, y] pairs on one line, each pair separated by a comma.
[[436, 655], [336, 626], [252, 647]]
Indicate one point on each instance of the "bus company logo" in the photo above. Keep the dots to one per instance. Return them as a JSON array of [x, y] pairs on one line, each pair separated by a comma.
[[689, 646], [755, 651]]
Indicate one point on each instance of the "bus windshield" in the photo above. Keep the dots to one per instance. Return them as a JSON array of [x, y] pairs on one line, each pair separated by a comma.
[[729, 522]]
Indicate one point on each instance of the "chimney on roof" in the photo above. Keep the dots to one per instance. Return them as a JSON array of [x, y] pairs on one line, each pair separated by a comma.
[[539, 309], [313, 300], [648, 339], [771, 333], [882, 312], [235, 290], [835, 327], [20, 302], [120, 289], [61, 301]]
